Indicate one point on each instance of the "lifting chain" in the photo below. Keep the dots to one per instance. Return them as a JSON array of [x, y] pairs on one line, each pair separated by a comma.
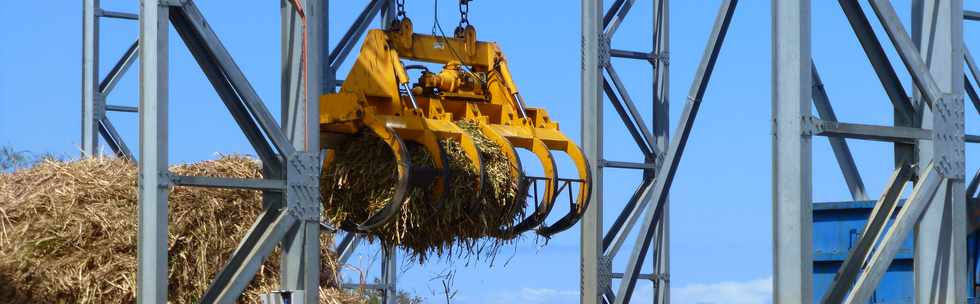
[[400, 5], [464, 13]]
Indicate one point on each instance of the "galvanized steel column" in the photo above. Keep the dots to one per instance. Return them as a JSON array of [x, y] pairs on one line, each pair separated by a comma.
[[792, 256], [388, 13], [593, 283], [661, 131], [90, 76], [301, 89], [389, 270], [316, 43], [940, 237], [151, 273]]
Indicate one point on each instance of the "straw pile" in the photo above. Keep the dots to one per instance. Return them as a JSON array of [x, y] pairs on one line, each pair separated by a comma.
[[68, 233], [361, 180]]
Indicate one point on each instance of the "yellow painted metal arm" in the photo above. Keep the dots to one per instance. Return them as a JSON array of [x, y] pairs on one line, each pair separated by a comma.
[[577, 209]]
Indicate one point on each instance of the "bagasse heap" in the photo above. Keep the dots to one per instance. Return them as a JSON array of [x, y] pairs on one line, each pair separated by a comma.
[[361, 181], [68, 233]]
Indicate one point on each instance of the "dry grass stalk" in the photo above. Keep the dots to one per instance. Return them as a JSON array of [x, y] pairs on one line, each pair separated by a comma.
[[68, 233], [459, 224]]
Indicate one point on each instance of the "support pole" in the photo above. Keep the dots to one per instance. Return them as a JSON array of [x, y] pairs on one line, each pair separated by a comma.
[[90, 76], [792, 217], [388, 13], [389, 273], [151, 273], [593, 283], [940, 236], [661, 131], [301, 72]]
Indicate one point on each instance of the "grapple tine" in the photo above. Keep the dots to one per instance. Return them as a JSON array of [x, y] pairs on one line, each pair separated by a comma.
[[404, 165], [577, 209], [544, 206]]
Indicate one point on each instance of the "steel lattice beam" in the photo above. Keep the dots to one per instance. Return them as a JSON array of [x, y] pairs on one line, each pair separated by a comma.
[[668, 168], [842, 152], [94, 92], [884, 208], [871, 274], [662, 158]]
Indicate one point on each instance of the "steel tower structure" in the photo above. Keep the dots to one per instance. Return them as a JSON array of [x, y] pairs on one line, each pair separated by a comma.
[[662, 154], [929, 148], [289, 153], [928, 134], [95, 123]]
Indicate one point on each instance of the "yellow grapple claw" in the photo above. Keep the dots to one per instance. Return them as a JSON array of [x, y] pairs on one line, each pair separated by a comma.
[[475, 84]]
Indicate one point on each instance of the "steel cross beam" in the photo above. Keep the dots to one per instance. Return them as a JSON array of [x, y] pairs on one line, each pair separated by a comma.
[[971, 15], [906, 219], [876, 55], [972, 66], [883, 210], [842, 152], [907, 50], [904, 111], [347, 42], [94, 92], [973, 199]]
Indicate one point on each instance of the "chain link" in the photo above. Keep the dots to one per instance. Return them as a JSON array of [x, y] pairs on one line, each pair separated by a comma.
[[400, 4], [464, 13]]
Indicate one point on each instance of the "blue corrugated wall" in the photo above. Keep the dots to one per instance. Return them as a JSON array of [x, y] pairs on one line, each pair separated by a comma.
[[836, 226]]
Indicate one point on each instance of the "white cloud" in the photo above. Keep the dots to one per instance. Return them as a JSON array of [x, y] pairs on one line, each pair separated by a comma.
[[528, 296], [747, 292], [757, 291]]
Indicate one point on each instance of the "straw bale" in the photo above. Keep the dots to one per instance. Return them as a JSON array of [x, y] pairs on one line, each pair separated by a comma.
[[68, 233]]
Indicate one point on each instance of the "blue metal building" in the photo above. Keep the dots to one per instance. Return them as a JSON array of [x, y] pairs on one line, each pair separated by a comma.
[[838, 225]]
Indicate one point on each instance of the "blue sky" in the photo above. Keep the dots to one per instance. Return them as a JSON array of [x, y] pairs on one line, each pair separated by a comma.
[[721, 199]]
